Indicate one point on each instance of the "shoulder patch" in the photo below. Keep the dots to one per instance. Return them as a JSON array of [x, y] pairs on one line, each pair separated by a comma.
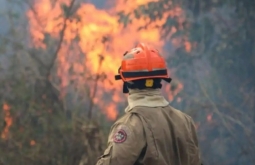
[[120, 136], [121, 133]]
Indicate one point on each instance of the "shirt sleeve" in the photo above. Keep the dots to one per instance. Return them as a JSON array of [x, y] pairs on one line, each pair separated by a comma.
[[125, 143]]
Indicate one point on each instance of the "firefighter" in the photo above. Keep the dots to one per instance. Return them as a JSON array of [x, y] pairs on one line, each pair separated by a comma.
[[151, 132]]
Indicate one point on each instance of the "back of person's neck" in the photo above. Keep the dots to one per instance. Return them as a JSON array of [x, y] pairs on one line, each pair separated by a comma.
[[147, 91], [145, 97]]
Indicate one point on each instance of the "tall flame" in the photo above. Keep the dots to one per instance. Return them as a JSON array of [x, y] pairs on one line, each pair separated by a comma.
[[83, 49]]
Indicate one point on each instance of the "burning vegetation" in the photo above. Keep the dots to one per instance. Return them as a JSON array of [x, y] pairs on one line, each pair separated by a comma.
[[64, 66], [92, 44]]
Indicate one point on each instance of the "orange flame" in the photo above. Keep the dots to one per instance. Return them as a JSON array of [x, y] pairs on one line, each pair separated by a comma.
[[171, 94], [8, 120], [83, 49]]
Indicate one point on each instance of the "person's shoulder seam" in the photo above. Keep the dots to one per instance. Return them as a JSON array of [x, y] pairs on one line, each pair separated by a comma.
[[125, 118], [183, 113]]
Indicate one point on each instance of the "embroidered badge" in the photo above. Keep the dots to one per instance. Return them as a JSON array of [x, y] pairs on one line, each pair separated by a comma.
[[120, 136]]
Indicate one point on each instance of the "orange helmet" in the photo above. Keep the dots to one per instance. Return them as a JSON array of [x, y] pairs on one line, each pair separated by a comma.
[[142, 63]]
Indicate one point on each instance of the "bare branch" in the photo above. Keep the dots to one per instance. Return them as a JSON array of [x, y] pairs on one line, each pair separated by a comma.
[[91, 104], [62, 34], [220, 115]]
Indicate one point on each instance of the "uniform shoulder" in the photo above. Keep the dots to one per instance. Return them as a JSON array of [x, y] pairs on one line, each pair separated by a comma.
[[183, 114], [129, 125], [130, 119]]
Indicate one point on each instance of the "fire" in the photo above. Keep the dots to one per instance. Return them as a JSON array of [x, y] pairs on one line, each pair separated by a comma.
[[8, 120], [94, 42], [172, 93], [111, 114]]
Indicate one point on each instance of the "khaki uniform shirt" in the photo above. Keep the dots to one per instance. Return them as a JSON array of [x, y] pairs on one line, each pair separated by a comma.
[[151, 133]]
